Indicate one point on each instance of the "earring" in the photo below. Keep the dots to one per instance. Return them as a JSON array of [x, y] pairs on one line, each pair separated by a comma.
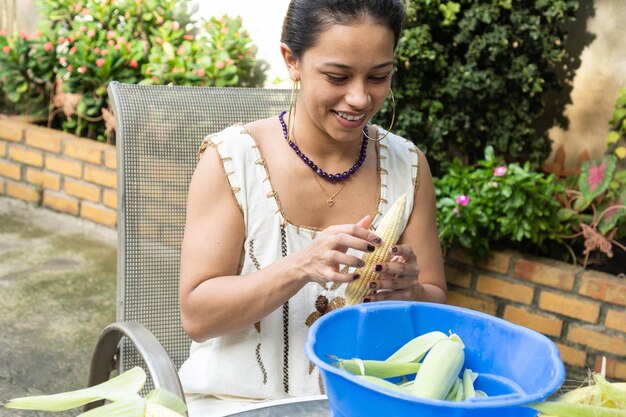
[[295, 91], [393, 118]]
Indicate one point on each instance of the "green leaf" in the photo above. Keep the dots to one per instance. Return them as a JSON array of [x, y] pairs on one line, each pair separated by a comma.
[[167, 399], [131, 407], [124, 386], [22, 87]]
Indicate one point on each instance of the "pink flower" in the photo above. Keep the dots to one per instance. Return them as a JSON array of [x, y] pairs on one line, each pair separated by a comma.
[[104, 52], [63, 60], [462, 199], [6, 49], [133, 64], [180, 50], [111, 42], [96, 50], [100, 62], [110, 34], [81, 70], [220, 64], [91, 33], [499, 171], [201, 72], [175, 25], [230, 61], [69, 68], [72, 50], [147, 71], [48, 46], [596, 175], [83, 28], [188, 37]]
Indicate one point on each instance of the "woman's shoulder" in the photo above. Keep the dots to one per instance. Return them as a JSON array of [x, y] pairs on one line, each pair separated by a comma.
[[395, 142]]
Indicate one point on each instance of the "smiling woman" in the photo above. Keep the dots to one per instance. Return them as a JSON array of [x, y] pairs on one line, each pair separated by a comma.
[[281, 211]]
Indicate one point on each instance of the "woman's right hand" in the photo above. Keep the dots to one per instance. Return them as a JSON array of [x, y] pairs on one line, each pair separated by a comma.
[[322, 261]]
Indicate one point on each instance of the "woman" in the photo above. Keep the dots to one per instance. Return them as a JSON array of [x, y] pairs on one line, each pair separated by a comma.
[[271, 243]]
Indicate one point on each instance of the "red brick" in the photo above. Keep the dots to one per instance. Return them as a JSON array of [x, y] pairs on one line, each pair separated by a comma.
[[598, 340], [543, 271], [2, 186], [497, 262], [615, 368], [474, 303], [63, 166], [26, 155], [110, 158], [23, 191], [109, 198], [616, 319], [461, 277], [12, 130], [43, 179], [3, 148], [10, 170], [60, 202], [572, 356], [550, 326], [82, 190], [505, 289], [603, 287], [98, 214], [84, 150], [46, 139], [461, 256], [100, 176], [570, 306]]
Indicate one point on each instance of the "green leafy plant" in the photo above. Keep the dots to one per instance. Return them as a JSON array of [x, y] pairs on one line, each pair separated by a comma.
[[594, 208], [473, 73], [484, 206], [64, 71], [616, 140]]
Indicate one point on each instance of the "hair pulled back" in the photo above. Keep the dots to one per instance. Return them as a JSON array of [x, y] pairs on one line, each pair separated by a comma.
[[307, 19]]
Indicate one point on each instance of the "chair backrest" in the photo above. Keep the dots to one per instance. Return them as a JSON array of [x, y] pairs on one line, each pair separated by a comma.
[[158, 132]]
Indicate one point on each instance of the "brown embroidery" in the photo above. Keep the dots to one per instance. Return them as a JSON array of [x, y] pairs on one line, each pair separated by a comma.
[[255, 261], [260, 362]]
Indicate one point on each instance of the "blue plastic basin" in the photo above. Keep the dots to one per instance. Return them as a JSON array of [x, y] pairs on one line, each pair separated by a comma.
[[516, 365]]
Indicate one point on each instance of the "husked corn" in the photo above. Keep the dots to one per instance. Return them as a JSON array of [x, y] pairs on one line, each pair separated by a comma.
[[389, 231]]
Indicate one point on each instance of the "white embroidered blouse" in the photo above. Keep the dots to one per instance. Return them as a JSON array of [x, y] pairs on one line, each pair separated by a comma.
[[267, 360]]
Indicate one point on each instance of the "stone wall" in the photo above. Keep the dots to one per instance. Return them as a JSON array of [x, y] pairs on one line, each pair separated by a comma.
[[584, 312]]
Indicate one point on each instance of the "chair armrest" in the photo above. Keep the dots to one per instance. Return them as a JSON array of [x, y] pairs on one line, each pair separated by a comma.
[[160, 366]]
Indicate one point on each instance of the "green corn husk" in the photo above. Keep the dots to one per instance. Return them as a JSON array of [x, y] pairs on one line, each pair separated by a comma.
[[440, 369], [564, 409], [383, 383], [468, 384], [415, 349], [123, 387], [380, 369]]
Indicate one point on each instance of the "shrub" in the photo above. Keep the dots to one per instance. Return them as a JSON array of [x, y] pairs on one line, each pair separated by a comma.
[[484, 206], [616, 140], [473, 73], [86, 44]]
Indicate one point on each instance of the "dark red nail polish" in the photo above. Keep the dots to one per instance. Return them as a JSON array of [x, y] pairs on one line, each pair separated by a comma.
[[366, 300], [370, 248], [394, 249], [378, 240], [378, 268], [355, 277], [372, 285]]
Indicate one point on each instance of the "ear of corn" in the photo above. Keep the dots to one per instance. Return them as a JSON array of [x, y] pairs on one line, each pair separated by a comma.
[[563, 409], [383, 383], [440, 370], [415, 349], [389, 230], [468, 383]]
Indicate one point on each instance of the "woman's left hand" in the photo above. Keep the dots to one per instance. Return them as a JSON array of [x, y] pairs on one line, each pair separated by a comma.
[[398, 278]]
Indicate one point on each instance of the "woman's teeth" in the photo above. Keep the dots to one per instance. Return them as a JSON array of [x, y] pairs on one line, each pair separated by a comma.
[[349, 116]]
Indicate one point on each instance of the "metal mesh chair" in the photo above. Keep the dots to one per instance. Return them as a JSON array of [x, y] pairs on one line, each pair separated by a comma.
[[158, 132]]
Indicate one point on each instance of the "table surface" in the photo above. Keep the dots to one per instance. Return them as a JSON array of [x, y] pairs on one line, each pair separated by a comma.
[[309, 408]]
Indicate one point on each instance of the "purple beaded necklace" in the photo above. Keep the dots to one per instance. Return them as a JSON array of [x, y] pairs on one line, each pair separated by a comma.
[[339, 177]]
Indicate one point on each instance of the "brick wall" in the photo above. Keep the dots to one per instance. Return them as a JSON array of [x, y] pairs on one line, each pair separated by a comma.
[[59, 171], [582, 311]]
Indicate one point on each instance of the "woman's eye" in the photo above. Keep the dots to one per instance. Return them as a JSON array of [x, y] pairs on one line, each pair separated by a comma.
[[335, 78], [380, 78]]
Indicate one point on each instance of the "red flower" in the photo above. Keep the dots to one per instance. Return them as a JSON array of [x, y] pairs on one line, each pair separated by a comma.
[[48, 46], [100, 62], [6, 49]]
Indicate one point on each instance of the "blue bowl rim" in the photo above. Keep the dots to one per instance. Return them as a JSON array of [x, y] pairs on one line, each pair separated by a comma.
[[493, 402]]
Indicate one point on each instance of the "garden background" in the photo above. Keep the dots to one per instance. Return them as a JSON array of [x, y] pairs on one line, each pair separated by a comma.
[[521, 112]]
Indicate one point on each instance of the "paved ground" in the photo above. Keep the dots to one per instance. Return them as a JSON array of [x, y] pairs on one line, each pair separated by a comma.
[[57, 291]]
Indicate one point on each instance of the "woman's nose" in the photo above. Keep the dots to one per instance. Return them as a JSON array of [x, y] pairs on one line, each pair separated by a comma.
[[358, 96]]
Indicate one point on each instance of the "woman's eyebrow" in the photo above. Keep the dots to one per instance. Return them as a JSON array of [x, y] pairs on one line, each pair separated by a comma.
[[347, 67]]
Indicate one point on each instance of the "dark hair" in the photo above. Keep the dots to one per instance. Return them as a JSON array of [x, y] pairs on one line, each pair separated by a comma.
[[307, 19]]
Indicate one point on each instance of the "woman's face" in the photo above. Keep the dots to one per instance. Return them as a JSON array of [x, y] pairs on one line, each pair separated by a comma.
[[345, 78]]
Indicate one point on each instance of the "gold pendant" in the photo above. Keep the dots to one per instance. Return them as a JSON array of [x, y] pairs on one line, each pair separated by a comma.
[[330, 202]]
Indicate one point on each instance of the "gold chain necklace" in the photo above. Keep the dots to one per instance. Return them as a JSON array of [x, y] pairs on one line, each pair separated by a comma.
[[331, 198]]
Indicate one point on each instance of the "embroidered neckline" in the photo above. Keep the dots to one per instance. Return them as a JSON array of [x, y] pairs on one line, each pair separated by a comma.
[[382, 183]]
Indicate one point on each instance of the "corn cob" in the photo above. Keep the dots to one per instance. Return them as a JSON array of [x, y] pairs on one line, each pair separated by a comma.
[[440, 369], [389, 231]]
